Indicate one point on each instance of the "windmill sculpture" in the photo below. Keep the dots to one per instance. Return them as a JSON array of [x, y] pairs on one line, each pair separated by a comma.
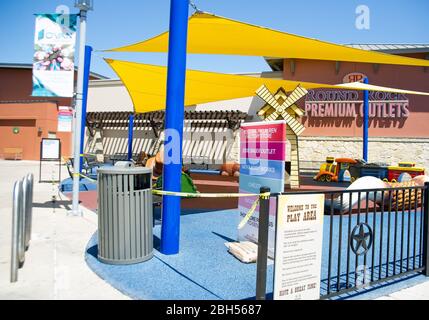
[[278, 107]]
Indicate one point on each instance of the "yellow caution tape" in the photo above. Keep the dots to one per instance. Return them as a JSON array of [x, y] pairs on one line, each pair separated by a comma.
[[265, 195], [246, 218], [83, 176], [207, 195], [88, 154], [248, 214]]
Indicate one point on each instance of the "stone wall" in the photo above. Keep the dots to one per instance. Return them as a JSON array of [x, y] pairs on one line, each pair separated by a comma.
[[314, 150]]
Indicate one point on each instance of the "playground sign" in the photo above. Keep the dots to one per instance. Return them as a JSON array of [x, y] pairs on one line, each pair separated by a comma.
[[299, 235], [262, 164]]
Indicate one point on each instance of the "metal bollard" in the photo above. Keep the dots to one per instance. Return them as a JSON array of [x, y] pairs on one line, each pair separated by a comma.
[[21, 223], [16, 217], [28, 196]]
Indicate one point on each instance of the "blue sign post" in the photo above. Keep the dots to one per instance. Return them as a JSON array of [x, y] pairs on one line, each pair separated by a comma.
[[365, 121], [86, 73], [174, 116], [130, 136]]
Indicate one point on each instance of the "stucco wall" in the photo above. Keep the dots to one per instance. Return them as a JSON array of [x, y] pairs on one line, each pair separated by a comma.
[[314, 150], [35, 121]]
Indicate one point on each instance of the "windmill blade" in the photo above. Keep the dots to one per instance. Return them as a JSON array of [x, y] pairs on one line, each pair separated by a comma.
[[296, 94], [272, 117], [294, 124], [266, 95], [264, 110], [298, 111]]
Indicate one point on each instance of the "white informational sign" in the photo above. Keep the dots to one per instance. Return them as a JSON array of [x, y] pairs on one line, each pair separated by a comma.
[[51, 149], [298, 255], [53, 61], [65, 119]]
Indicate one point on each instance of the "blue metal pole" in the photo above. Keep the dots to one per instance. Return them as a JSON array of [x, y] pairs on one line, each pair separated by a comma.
[[130, 137], [86, 73], [365, 121], [174, 116]]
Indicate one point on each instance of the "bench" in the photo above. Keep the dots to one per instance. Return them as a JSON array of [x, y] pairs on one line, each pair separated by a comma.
[[13, 153]]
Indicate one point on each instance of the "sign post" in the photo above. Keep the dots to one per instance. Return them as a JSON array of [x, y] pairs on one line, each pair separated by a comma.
[[365, 121], [262, 258], [84, 7], [86, 73], [130, 137], [299, 236]]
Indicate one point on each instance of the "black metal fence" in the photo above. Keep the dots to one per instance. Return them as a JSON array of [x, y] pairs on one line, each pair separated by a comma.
[[372, 236]]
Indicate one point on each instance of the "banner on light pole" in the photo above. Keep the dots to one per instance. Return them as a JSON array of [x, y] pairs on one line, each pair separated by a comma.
[[53, 61]]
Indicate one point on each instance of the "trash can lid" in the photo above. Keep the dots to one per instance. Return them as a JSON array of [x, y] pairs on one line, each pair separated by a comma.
[[124, 170]]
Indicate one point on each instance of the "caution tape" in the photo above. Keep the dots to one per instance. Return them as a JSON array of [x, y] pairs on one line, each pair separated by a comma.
[[265, 195], [207, 195], [248, 214], [83, 176], [88, 154]]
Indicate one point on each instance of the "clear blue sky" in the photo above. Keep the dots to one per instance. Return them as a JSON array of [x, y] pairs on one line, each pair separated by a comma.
[[118, 22]]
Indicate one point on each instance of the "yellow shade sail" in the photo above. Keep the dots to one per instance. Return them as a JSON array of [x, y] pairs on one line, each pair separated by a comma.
[[369, 87], [210, 34], [146, 85]]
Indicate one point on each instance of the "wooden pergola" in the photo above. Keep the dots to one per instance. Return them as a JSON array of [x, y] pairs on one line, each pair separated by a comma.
[[204, 121]]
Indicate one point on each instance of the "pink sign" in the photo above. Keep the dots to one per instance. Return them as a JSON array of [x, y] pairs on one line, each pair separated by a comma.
[[263, 150], [262, 132]]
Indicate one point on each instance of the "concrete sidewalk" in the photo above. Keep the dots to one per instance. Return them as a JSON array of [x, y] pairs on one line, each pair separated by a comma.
[[418, 292], [55, 266]]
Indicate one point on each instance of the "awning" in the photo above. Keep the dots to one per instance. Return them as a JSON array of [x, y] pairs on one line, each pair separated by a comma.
[[146, 85], [210, 34], [370, 87]]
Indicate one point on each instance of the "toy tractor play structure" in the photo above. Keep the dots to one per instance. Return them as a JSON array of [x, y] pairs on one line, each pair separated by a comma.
[[335, 172], [346, 169]]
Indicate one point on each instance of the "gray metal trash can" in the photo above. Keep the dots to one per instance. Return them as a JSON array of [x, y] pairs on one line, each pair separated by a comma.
[[125, 215]]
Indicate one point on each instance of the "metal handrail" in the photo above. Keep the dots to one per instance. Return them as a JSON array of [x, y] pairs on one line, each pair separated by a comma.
[[21, 223]]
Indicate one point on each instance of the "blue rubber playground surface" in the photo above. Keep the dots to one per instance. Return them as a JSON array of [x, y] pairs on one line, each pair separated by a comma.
[[204, 270]]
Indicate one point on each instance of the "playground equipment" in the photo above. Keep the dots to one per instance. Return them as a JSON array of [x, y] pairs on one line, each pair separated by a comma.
[[335, 172], [231, 169], [187, 185], [404, 171], [398, 200], [357, 168], [156, 163]]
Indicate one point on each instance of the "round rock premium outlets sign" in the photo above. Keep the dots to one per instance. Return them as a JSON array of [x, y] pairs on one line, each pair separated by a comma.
[[349, 104]]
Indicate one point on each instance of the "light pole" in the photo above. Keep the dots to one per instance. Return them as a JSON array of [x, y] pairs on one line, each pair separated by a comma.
[[84, 6]]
